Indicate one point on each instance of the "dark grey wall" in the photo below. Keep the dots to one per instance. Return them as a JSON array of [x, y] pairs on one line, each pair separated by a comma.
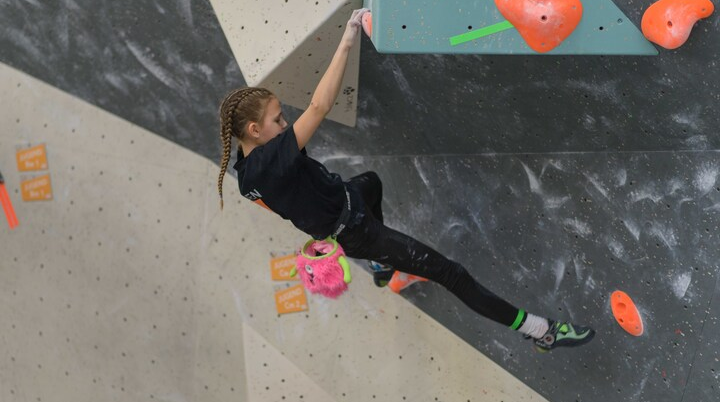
[[163, 65], [556, 234], [555, 180]]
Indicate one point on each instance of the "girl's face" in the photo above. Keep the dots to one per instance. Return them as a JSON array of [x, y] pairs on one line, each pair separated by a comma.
[[273, 123]]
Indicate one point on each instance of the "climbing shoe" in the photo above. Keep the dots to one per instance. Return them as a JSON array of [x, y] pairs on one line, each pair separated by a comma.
[[563, 334], [381, 273]]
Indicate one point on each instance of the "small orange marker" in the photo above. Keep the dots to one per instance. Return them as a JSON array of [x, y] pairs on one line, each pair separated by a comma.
[[401, 280], [626, 314], [668, 23], [367, 23], [7, 205]]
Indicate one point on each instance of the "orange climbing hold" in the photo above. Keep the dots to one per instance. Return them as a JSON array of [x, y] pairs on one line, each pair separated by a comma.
[[626, 314], [401, 280], [668, 22], [367, 23], [544, 24]]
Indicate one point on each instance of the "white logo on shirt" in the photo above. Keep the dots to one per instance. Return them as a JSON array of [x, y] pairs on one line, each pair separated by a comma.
[[253, 195]]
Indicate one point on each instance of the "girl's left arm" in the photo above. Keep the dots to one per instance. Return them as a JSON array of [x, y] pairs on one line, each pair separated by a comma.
[[329, 87]]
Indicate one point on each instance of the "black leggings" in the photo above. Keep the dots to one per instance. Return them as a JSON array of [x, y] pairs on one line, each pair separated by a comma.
[[372, 240]]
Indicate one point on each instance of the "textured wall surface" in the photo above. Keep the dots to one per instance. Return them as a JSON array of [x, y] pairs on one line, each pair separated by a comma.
[[132, 285], [554, 180]]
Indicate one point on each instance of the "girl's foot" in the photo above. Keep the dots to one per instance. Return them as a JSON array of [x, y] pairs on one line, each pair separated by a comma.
[[381, 273], [563, 334]]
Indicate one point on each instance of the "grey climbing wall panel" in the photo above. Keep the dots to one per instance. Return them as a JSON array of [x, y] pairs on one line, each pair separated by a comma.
[[556, 234]]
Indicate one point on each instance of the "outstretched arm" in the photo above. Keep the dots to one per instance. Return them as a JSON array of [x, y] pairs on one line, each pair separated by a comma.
[[327, 90]]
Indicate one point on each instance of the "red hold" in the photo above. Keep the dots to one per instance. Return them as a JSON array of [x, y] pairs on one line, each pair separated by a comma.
[[668, 22], [544, 24], [367, 23], [626, 313]]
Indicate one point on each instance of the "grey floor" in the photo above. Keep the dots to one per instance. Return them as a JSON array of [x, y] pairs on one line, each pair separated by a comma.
[[554, 180]]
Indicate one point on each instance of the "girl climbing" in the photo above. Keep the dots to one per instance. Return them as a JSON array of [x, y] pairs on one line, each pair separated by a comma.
[[275, 171]]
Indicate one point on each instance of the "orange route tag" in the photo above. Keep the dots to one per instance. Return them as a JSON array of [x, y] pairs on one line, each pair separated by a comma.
[[291, 300], [280, 268], [30, 159], [37, 189]]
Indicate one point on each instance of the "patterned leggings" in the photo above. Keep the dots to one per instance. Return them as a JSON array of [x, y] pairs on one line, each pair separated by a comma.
[[372, 240]]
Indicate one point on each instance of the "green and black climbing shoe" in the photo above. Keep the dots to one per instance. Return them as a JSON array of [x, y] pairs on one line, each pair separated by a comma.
[[563, 334], [381, 273]]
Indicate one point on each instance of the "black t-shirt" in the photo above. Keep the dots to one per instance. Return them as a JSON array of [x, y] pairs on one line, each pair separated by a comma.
[[283, 179]]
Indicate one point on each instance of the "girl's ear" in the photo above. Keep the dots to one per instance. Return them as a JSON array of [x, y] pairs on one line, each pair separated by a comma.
[[254, 129]]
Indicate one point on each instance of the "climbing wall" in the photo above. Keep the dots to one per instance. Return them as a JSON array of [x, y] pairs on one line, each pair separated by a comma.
[[456, 26], [286, 46], [129, 283], [555, 180]]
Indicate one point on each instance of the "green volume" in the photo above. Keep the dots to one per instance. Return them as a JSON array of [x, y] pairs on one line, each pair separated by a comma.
[[479, 33]]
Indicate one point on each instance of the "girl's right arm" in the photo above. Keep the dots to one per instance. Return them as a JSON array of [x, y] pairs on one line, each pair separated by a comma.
[[327, 90]]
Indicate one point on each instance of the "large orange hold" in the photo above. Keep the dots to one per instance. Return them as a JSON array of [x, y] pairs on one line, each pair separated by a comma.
[[544, 24], [626, 314], [668, 22]]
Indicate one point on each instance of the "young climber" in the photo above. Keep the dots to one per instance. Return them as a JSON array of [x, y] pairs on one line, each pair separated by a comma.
[[275, 172]]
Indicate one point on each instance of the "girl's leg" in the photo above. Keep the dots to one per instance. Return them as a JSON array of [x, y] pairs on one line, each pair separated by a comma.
[[370, 188], [374, 241]]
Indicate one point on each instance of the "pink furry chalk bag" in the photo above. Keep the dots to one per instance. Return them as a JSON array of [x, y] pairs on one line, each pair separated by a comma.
[[323, 267]]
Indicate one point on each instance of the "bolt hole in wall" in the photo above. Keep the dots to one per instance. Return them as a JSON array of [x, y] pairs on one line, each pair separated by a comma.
[[544, 18]]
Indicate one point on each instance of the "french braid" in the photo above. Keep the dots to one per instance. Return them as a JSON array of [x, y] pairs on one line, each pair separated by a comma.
[[239, 108]]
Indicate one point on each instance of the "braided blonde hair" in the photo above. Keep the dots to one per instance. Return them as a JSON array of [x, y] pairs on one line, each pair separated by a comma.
[[239, 108]]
